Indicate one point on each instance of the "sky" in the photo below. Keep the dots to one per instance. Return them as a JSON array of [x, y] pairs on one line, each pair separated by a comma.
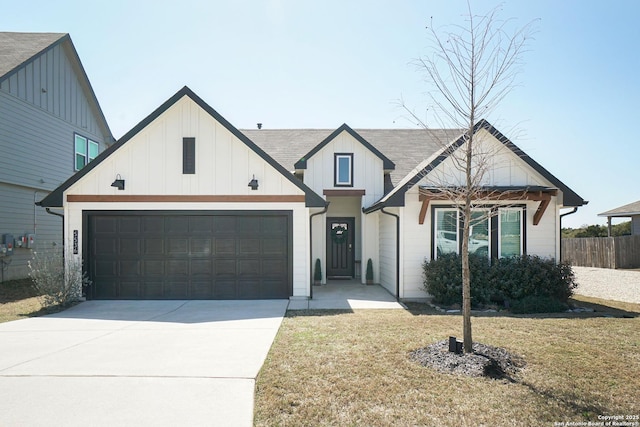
[[319, 64]]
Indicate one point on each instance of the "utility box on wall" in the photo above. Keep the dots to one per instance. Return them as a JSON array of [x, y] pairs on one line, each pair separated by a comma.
[[30, 241], [7, 241]]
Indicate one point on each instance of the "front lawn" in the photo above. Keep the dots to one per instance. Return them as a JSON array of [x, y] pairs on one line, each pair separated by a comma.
[[18, 299], [352, 368]]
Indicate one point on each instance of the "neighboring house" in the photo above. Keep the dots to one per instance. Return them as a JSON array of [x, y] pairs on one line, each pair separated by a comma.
[[632, 210], [187, 206], [50, 126]]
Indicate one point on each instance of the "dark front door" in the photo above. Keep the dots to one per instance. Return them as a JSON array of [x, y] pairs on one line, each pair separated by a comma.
[[340, 238]]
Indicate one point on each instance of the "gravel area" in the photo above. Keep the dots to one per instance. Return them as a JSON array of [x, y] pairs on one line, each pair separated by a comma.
[[605, 283]]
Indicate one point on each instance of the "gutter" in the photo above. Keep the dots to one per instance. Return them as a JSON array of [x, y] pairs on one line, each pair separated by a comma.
[[311, 264], [574, 210], [397, 251]]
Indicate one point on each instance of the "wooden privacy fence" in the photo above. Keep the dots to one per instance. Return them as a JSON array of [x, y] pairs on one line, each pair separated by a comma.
[[603, 252]]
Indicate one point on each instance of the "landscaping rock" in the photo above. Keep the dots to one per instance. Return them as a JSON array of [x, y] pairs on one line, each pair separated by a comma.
[[485, 361]]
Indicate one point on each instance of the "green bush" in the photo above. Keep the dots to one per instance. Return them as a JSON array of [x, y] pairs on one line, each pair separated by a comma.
[[443, 279], [538, 304], [508, 279]]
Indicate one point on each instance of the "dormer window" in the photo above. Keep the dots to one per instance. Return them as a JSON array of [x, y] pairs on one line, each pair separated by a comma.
[[343, 165]]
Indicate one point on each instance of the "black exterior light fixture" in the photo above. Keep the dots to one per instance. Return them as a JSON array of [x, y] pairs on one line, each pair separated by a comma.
[[253, 183], [118, 183]]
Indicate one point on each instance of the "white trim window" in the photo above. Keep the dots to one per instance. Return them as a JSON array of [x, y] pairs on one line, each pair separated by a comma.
[[510, 235], [343, 166], [85, 151]]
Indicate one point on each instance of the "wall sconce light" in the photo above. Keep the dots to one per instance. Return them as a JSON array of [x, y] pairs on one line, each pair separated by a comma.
[[118, 183], [253, 183]]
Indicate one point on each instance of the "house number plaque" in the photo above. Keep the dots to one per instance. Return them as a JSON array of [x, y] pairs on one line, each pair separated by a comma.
[[75, 242]]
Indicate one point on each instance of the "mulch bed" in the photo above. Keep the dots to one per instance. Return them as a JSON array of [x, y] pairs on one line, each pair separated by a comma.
[[485, 361]]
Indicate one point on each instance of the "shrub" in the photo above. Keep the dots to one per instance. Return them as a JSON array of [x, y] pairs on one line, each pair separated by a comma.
[[52, 284], [538, 304], [369, 272], [317, 274], [443, 279], [507, 279]]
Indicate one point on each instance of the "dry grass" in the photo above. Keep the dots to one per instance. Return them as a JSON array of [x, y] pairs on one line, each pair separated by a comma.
[[18, 299], [352, 368]]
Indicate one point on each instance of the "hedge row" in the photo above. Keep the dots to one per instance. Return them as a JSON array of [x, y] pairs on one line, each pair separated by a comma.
[[507, 280]]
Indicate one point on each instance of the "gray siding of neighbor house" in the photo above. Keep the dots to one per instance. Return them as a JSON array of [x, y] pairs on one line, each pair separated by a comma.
[[37, 146]]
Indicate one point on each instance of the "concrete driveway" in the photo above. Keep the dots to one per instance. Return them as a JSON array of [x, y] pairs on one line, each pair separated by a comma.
[[122, 363]]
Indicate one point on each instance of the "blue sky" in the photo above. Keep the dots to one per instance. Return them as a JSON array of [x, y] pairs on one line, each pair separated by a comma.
[[318, 64]]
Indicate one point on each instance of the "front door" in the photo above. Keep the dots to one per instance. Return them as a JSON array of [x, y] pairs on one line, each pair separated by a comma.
[[340, 238]]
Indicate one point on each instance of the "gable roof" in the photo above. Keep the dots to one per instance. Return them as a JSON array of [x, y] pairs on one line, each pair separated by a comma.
[[386, 163], [19, 49], [631, 209], [396, 196], [55, 198], [404, 147]]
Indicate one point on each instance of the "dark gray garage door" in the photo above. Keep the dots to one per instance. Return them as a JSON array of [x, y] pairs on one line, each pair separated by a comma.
[[180, 255]]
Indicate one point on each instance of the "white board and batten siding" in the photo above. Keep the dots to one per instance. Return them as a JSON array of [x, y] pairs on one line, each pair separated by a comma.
[[506, 170], [368, 174], [151, 164]]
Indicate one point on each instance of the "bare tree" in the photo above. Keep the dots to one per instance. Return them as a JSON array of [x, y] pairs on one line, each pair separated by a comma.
[[471, 69]]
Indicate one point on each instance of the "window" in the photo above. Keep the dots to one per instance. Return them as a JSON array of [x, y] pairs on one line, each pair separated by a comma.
[[188, 155], [501, 229], [446, 231], [86, 150], [343, 170], [510, 231]]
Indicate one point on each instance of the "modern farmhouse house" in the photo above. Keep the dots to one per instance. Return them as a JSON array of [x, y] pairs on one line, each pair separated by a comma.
[[187, 206]]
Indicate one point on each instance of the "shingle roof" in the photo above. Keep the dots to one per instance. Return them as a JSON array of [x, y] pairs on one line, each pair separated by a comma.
[[631, 209], [404, 147], [17, 48]]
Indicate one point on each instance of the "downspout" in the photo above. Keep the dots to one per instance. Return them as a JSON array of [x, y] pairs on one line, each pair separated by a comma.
[[397, 251], [574, 210], [311, 264], [61, 216]]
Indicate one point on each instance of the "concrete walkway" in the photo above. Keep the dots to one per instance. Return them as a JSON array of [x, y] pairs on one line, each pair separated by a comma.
[[133, 363], [346, 295]]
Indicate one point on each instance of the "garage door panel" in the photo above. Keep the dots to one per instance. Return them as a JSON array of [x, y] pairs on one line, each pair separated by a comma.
[[224, 224], [201, 267], [130, 246], [105, 225], [129, 225], [106, 268], [130, 268], [201, 290], [176, 225], [274, 267], [248, 289], [175, 289], [152, 289], [153, 268], [200, 224], [153, 246], [129, 289], [276, 247], [225, 246], [249, 246], [167, 255], [153, 224], [178, 246], [105, 246], [248, 267], [225, 289], [200, 247]]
